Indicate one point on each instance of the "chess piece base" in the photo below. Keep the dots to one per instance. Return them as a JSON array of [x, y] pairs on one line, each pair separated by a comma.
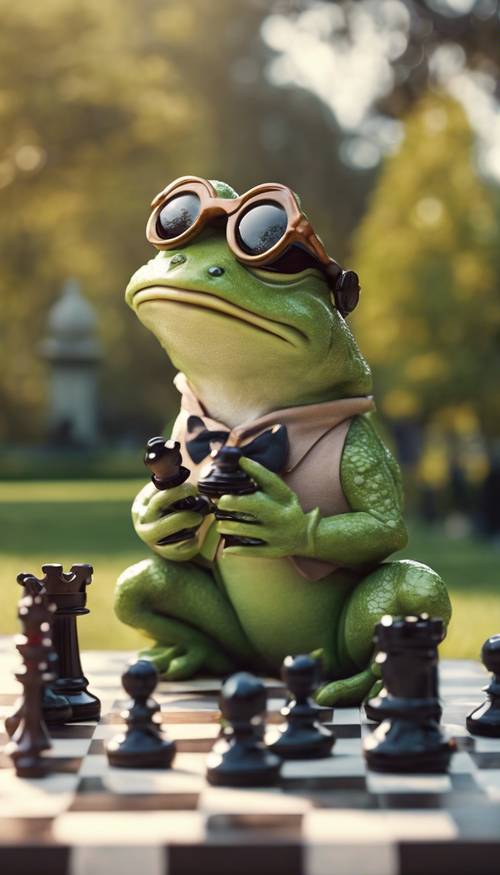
[[426, 762], [55, 708], [84, 705], [140, 751], [26, 753], [30, 767], [484, 721], [228, 765], [310, 744], [404, 746]]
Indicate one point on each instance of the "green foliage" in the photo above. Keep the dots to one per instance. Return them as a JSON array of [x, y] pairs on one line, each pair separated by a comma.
[[429, 319], [102, 104]]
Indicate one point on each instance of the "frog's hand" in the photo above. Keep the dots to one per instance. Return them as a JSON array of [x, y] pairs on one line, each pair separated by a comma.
[[348, 691], [164, 525], [273, 514]]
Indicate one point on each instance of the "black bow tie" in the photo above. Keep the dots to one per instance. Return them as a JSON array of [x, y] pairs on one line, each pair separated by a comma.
[[269, 448]]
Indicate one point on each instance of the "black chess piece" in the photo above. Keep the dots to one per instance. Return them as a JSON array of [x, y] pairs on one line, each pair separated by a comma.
[[302, 736], [55, 707], [409, 738], [223, 476], [142, 745], [374, 705], [239, 757], [67, 591], [164, 460], [30, 737], [485, 720]]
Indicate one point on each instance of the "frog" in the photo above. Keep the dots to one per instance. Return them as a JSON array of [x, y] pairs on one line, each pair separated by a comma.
[[257, 346]]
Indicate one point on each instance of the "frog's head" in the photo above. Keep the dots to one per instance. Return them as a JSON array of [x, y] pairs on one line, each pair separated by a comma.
[[249, 340]]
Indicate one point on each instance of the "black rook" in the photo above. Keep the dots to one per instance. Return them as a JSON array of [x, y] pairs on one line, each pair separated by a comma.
[[67, 591], [409, 738]]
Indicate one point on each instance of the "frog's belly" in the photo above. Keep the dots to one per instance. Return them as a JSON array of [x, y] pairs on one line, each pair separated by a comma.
[[280, 611]]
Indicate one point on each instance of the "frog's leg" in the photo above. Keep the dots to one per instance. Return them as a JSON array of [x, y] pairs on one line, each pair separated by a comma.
[[398, 588], [181, 607]]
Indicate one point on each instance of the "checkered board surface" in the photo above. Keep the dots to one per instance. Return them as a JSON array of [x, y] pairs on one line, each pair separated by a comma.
[[327, 817]]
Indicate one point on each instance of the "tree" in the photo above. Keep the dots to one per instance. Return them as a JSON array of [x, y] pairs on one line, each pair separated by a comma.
[[429, 318], [105, 104]]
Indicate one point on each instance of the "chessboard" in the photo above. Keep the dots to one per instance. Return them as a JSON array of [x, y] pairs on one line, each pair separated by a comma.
[[326, 817]]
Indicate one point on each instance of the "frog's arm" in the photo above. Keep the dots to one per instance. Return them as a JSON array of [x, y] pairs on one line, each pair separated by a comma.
[[372, 486]]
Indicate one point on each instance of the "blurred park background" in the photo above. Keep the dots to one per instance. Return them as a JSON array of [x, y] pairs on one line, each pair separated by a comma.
[[383, 114]]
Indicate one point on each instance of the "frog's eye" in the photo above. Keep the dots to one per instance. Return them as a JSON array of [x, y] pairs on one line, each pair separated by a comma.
[[261, 227], [177, 215]]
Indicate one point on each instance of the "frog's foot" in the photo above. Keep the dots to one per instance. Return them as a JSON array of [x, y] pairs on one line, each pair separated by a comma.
[[399, 588], [192, 624], [347, 691], [377, 688], [180, 662], [161, 657]]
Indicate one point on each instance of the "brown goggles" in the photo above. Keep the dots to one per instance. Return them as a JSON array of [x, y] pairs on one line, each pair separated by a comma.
[[261, 225]]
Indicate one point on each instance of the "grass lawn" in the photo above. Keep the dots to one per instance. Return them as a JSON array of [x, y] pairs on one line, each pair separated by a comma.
[[89, 521]]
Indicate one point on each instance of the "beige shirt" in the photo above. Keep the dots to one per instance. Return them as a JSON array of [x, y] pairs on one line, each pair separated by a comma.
[[316, 436]]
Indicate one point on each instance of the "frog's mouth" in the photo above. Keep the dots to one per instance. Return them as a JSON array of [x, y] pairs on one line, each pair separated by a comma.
[[208, 301]]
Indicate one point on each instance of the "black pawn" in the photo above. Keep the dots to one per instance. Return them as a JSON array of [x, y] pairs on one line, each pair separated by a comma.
[[409, 738], [223, 476], [485, 720], [302, 736], [240, 758], [142, 745]]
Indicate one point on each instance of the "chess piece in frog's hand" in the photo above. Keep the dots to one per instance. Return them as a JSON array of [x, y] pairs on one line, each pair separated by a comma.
[[168, 512], [223, 476], [164, 460], [252, 311]]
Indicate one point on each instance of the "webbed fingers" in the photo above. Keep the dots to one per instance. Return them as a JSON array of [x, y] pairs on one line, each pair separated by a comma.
[[155, 532], [269, 482], [164, 499], [253, 505], [234, 527]]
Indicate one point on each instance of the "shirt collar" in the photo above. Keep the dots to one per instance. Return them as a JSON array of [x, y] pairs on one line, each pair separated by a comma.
[[305, 424]]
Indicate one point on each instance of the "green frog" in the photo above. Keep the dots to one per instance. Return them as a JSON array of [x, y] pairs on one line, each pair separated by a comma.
[[248, 307]]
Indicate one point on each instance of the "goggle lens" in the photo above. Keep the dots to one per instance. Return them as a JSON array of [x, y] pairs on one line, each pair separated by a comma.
[[261, 227], [178, 214]]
